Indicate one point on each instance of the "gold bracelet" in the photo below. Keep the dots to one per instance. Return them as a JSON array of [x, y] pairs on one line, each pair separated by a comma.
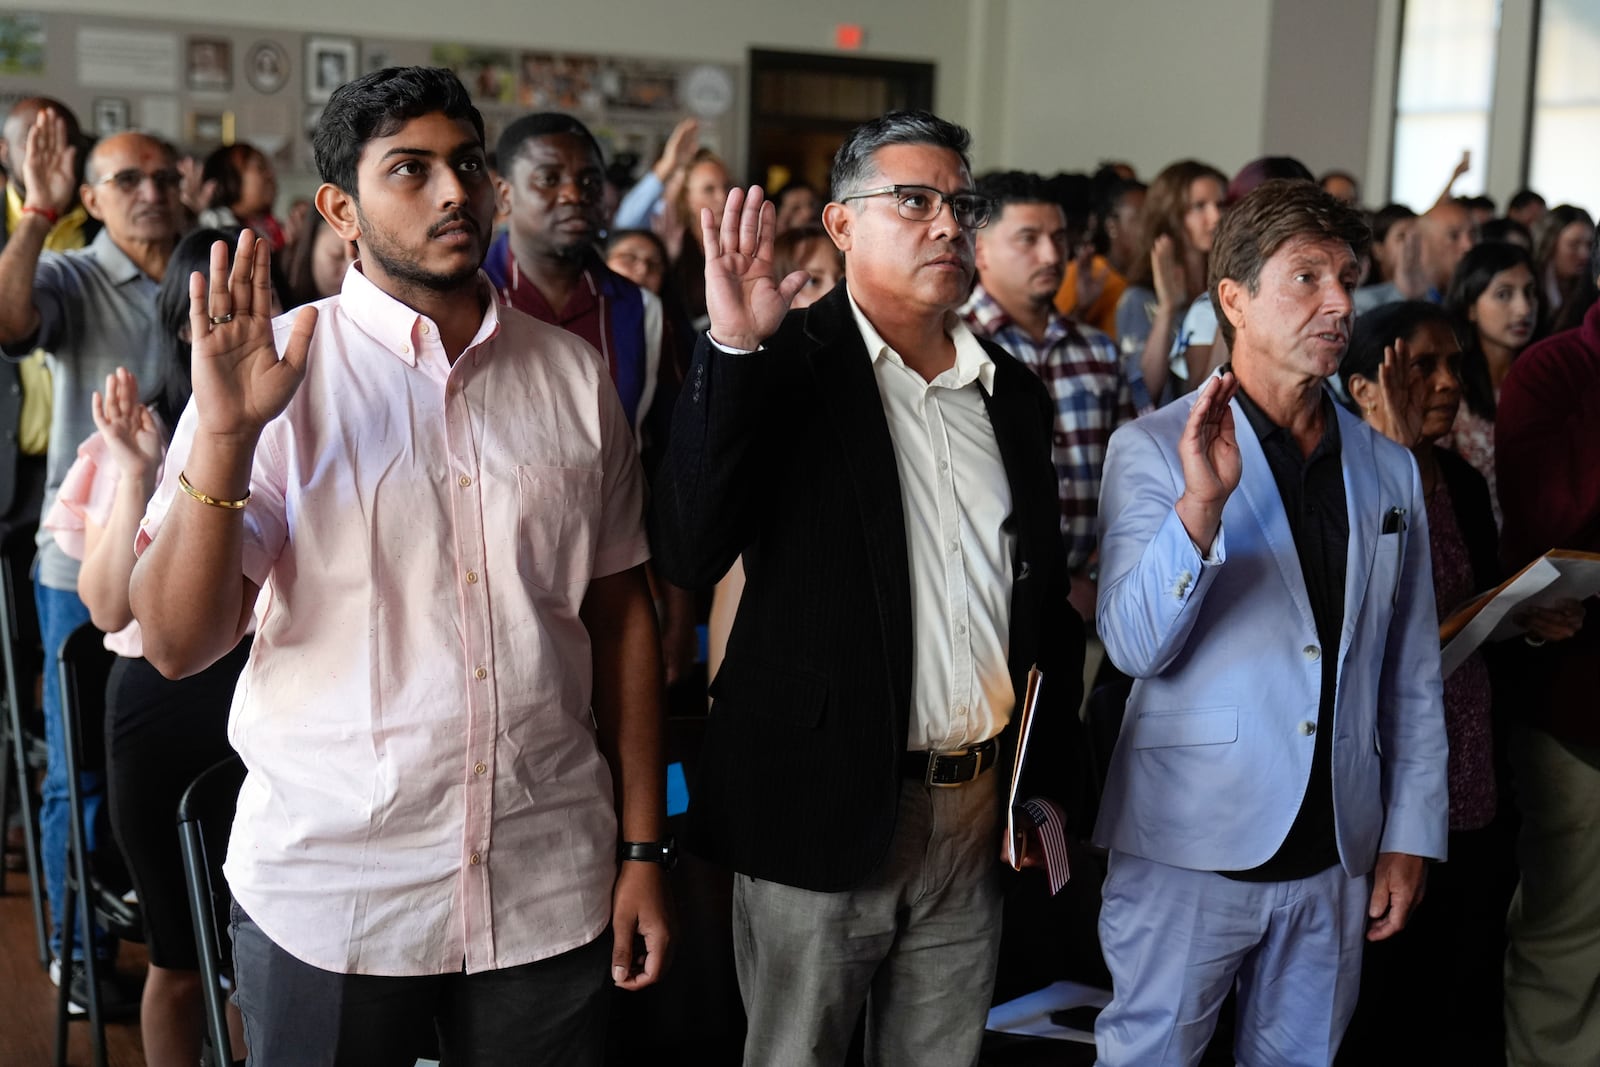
[[211, 501]]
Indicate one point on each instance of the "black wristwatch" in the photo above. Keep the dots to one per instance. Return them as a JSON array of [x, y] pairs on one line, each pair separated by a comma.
[[664, 852]]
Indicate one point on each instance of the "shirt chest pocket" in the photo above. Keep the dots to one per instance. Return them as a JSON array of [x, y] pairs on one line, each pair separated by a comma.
[[558, 523]]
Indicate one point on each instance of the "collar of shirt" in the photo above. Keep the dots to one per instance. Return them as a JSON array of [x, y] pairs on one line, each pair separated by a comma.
[[972, 362], [985, 312], [1269, 433], [65, 234], [394, 325], [113, 260]]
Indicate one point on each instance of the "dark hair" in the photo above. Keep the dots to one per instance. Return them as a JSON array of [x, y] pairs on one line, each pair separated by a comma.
[[299, 259], [1386, 217], [1473, 275], [1014, 187], [1477, 203], [1073, 193], [1267, 219], [225, 168], [1522, 198], [169, 393], [1267, 169], [854, 162], [792, 248], [1556, 219], [793, 185], [1507, 230], [541, 124], [376, 105], [1166, 202], [1381, 327]]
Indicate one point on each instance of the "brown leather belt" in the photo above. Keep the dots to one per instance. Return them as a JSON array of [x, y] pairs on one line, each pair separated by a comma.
[[951, 768]]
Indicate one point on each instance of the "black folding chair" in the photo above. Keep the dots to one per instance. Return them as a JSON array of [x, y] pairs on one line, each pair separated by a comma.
[[21, 653], [205, 818], [85, 665]]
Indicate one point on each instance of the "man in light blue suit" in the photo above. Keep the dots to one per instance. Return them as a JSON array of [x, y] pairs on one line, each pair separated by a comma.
[[1265, 577]]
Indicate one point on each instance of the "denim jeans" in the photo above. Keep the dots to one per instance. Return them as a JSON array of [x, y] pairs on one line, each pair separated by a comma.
[[61, 612]]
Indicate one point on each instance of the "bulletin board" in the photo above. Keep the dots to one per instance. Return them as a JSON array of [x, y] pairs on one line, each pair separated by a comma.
[[201, 87]]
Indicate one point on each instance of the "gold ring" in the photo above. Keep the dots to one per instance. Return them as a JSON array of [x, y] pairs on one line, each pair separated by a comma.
[[218, 320]]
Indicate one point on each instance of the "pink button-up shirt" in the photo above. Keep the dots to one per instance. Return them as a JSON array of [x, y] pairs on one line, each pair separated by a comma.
[[425, 789]]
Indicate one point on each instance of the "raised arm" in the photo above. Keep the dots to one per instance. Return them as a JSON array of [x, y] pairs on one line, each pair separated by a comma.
[[52, 181], [189, 590], [134, 444]]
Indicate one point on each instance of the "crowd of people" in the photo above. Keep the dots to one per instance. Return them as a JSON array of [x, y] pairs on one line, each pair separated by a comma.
[[416, 497]]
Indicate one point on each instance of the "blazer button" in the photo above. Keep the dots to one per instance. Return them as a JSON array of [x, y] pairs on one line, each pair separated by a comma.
[[1307, 729], [1312, 652]]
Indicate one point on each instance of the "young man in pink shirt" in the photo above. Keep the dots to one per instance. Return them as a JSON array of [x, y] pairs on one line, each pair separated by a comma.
[[451, 713]]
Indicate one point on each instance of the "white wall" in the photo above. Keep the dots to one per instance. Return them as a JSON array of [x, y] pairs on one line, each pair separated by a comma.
[[1148, 81]]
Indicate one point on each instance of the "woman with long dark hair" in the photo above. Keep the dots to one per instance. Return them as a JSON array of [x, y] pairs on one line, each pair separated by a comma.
[[1561, 252], [1494, 299], [160, 734], [1435, 994]]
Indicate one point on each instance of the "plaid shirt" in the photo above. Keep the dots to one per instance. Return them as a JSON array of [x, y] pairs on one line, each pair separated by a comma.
[[1080, 367]]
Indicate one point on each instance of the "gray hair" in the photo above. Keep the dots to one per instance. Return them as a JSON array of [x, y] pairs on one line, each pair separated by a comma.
[[854, 164]]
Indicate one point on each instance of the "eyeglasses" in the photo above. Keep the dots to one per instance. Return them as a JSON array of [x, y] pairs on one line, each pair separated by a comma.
[[128, 181], [920, 203]]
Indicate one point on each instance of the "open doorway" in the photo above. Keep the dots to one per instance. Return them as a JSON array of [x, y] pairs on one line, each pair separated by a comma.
[[802, 105]]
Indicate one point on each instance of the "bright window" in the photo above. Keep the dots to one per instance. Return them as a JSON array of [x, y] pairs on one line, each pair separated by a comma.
[[1447, 58], [1565, 162]]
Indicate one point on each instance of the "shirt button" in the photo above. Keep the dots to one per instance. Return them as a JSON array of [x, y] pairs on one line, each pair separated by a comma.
[[962, 710], [465, 481], [479, 768], [944, 464], [1312, 652], [405, 349], [954, 544], [424, 328], [475, 859], [472, 577], [961, 628], [1307, 729], [480, 674]]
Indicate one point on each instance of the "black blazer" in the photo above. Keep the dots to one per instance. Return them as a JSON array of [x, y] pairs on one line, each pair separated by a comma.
[[784, 456]]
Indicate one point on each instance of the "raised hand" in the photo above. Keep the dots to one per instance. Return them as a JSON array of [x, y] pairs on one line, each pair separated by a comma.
[[240, 383], [128, 428], [1209, 452], [1091, 282], [1411, 276], [50, 171], [1166, 270], [744, 297], [1394, 412], [680, 148]]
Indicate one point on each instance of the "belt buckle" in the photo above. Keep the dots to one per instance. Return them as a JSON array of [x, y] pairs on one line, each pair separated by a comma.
[[933, 762]]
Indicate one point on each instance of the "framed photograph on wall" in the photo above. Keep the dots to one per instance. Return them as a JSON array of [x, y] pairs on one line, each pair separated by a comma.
[[267, 67], [330, 62], [110, 115], [210, 65]]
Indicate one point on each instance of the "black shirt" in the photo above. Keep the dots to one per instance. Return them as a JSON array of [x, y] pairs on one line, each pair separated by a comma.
[[1312, 490]]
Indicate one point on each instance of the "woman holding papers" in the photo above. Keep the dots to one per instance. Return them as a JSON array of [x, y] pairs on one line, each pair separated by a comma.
[[1403, 375]]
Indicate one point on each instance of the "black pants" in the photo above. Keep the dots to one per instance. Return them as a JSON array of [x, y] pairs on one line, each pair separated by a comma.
[[296, 1015]]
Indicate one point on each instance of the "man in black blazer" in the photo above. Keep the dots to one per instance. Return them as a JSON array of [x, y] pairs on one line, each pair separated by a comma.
[[886, 477]]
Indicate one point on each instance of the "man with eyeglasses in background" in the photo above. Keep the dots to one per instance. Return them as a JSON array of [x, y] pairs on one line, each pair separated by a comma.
[[886, 476], [93, 310]]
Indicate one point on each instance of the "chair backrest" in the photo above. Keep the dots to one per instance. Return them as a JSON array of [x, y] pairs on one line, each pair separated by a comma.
[[85, 667], [205, 818]]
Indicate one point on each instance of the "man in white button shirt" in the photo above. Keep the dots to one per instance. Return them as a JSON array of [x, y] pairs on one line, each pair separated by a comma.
[[451, 711], [886, 477], [1280, 774]]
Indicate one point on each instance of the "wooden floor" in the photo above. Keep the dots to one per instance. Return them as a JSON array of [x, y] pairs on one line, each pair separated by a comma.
[[28, 1000]]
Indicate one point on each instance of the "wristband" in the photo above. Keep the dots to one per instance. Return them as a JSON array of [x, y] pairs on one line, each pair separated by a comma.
[[48, 214], [211, 501]]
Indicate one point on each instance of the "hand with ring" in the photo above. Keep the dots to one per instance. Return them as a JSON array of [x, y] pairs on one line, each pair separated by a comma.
[[240, 381]]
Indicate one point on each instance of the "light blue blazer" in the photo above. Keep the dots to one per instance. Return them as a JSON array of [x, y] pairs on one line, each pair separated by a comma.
[[1216, 745]]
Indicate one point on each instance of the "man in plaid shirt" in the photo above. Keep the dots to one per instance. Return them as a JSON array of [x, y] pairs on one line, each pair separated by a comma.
[[1021, 257]]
